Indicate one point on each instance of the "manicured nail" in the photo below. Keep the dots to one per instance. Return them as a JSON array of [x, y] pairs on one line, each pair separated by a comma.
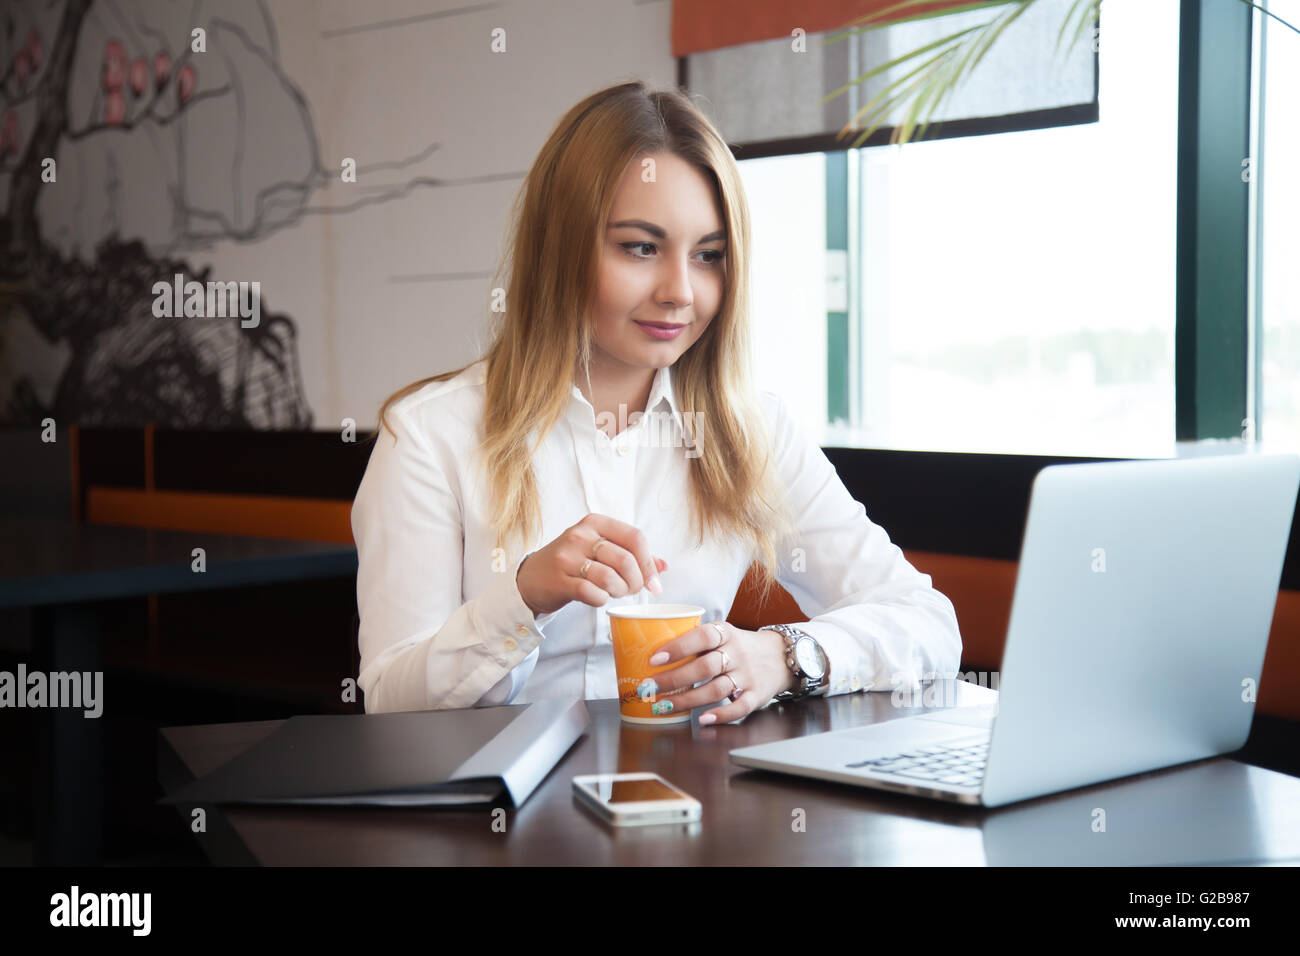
[[655, 586], [660, 658], [708, 718], [661, 707], [647, 689]]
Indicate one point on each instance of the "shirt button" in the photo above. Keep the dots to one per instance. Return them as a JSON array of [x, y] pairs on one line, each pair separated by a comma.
[[857, 683], [622, 448], [511, 643], [521, 630]]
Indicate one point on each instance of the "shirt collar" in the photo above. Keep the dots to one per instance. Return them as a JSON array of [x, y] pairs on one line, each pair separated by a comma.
[[661, 400]]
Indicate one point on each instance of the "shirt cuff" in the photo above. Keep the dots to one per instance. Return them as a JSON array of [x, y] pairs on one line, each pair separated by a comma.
[[504, 623], [504, 627]]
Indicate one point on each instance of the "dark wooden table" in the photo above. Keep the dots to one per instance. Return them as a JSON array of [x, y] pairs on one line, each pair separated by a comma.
[[60, 568], [1211, 811]]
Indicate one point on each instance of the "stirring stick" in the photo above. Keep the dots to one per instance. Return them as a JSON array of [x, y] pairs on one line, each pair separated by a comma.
[[645, 590], [645, 595]]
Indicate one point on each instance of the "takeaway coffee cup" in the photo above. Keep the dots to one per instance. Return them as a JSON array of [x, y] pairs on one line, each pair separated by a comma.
[[637, 631]]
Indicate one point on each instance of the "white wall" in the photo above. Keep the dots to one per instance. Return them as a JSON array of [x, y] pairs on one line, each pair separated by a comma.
[[369, 288]]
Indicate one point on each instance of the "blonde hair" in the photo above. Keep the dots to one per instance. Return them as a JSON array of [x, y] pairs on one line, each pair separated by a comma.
[[550, 276]]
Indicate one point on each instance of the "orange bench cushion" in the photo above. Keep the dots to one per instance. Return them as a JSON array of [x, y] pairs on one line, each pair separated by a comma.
[[259, 516]]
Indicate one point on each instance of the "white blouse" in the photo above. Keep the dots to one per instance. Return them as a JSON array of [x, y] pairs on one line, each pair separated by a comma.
[[442, 622]]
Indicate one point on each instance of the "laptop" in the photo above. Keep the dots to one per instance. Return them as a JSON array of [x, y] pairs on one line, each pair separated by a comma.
[[1143, 602]]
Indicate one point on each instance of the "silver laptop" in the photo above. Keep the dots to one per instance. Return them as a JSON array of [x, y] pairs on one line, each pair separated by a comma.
[[1142, 608]]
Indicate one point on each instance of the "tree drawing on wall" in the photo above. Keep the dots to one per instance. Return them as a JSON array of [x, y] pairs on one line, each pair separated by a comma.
[[160, 152]]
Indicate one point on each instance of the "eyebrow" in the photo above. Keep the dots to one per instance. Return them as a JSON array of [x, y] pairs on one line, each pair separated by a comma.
[[658, 232]]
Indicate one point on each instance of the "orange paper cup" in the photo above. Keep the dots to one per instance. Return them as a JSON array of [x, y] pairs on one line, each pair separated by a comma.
[[637, 632]]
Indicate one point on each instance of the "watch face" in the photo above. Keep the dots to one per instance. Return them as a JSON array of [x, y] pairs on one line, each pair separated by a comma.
[[809, 661]]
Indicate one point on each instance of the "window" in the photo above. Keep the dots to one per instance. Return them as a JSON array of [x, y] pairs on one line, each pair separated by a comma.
[[1008, 293], [787, 201], [1278, 195]]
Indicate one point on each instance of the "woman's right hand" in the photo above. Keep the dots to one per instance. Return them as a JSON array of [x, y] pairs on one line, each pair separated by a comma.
[[548, 578]]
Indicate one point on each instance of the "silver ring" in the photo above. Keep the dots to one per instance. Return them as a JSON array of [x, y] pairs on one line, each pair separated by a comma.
[[583, 572]]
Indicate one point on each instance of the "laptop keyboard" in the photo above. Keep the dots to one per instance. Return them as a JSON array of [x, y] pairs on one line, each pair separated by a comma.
[[958, 762]]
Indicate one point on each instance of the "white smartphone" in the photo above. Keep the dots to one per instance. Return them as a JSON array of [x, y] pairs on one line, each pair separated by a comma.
[[634, 799]]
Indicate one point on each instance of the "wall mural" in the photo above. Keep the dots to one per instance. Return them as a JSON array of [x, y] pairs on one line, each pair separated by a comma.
[[159, 151]]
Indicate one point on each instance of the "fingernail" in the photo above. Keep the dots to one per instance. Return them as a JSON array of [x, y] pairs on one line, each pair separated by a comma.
[[660, 658], [708, 718], [662, 707], [655, 585]]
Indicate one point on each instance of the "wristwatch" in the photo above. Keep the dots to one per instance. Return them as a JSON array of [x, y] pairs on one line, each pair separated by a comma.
[[805, 658]]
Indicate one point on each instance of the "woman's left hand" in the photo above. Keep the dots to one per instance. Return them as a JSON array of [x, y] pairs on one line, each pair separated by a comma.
[[730, 659]]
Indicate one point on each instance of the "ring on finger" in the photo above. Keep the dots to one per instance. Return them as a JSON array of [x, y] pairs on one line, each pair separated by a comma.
[[583, 572], [724, 668], [596, 547], [736, 690], [722, 635]]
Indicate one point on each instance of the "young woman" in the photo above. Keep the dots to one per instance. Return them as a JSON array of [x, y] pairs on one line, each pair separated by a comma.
[[610, 441]]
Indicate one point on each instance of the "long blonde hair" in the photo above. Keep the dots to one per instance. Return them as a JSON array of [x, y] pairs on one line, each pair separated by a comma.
[[550, 274]]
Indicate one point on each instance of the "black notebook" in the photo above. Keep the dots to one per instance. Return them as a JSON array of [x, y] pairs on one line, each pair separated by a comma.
[[423, 758]]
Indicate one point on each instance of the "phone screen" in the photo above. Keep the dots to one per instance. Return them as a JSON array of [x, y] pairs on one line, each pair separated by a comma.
[[635, 791]]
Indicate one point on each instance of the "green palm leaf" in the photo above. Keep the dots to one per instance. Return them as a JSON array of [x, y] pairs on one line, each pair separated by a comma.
[[960, 53], [898, 60]]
